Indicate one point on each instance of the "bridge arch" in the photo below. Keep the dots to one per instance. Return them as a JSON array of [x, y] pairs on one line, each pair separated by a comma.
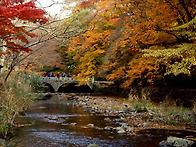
[[57, 83], [48, 87], [74, 88]]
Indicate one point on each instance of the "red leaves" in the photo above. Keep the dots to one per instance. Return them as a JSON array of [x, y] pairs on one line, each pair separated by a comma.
[[133, 52], [16, 48], [85, 4], [23, 12]]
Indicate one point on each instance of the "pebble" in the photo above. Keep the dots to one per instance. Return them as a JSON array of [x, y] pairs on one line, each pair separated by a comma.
[[55, 117], [128, 129], [120, 130], [108, 128], [139, 114], [137, 124], [73, 124], [147, 125], [90, 125], [92, 145], [127, 110]]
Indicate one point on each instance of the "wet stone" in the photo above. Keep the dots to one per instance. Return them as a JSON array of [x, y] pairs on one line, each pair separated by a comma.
[[108, 128], [120, 130], [128, 129], [118, 124], [120, 112], [147, 125], [127, 110], [73, 124], [176, 142], [139, 114], [107, 119], [124, 124], [137, 124], [90, 125], [55, 117], [92, 145], [122, 119]]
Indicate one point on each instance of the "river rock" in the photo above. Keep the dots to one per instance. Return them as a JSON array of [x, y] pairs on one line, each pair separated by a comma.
[[73, 124], [92, 145], [176, 142], [139, 114], [137, 124], [108, 128], [107, 119], [122, 119], [120, 130], [120, 112], [70, 97], [147, 125], [90, 125], [127, 110], [55, 117], [128, 128], [118, 124]]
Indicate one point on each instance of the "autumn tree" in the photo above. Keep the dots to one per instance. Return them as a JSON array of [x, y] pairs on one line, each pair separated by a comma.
[[150, 26], [114, 45], [18, 19], [88, 47]]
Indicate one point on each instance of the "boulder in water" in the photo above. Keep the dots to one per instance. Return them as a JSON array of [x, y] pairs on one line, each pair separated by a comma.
[[176, 142]]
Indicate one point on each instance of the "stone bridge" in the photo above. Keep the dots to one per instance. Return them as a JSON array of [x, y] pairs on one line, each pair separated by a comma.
[[56, 83]]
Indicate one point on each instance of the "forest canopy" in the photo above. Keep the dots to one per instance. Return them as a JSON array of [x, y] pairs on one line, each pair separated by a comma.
[[133, 42]]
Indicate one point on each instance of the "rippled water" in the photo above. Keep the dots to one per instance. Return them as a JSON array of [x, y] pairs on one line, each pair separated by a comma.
[[46, 132]]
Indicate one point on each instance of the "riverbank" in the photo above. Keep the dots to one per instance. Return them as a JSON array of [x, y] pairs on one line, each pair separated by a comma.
[[88, 119], [138, 115]]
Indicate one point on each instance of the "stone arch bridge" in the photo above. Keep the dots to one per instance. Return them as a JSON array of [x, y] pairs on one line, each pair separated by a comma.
[[56, 83]]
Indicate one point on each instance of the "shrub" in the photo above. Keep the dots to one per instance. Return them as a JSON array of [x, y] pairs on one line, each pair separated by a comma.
[[16, 97]]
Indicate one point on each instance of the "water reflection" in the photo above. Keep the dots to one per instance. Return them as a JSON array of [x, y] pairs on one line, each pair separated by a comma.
[[51, 127]]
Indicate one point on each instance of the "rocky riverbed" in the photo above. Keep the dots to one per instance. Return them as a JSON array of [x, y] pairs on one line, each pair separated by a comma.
[[86, 119], [122, 118]]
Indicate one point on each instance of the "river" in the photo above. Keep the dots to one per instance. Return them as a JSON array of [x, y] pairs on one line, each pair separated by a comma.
[[59, 123]]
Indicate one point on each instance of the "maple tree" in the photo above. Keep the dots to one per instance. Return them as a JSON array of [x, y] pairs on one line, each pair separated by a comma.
[[122, 31], [19, 18], [15, 14], [150, 27]]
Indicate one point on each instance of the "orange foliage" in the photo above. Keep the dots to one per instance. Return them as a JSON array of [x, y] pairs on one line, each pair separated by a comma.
[[121, 30]]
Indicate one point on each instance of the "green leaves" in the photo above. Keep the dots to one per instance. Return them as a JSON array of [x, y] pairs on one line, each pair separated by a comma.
[[179, 60]]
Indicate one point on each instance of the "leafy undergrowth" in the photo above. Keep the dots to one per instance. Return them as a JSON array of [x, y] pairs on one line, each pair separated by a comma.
[[15, 96]]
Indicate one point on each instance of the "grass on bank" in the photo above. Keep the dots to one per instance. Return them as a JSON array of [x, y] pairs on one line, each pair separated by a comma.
[[15, 97], [165, 112]]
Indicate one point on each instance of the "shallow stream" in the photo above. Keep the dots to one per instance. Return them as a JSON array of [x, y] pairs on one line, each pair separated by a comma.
[[53, 124]]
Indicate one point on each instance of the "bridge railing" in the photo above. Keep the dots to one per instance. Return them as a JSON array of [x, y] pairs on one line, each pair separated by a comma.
[[42, 79]]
